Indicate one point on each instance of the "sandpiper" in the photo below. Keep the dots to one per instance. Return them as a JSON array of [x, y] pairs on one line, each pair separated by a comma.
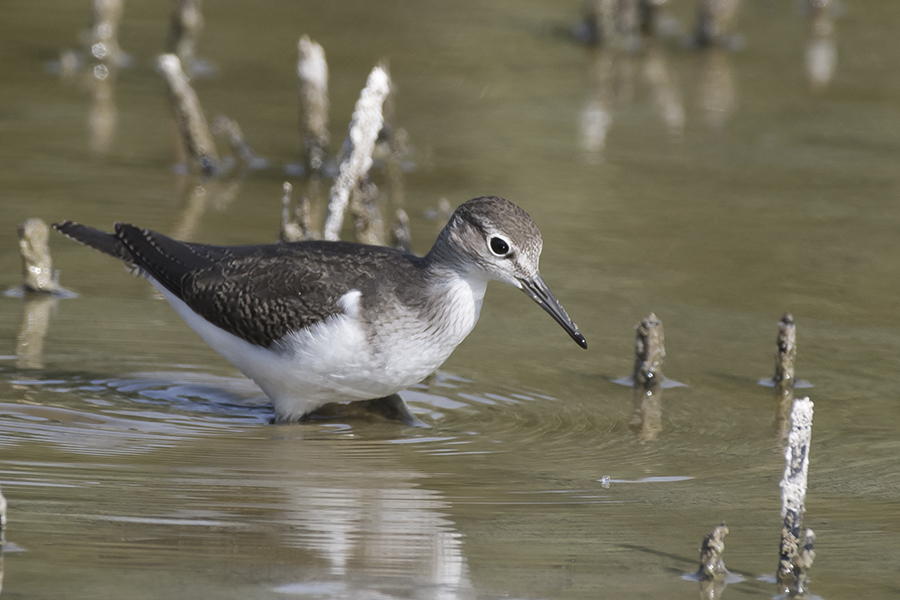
[[318, 322]]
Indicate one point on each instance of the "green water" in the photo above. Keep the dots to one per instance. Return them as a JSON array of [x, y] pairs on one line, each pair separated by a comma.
[[725, 189]]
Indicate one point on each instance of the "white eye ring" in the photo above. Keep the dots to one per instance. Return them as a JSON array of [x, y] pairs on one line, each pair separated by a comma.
[[499, 246]]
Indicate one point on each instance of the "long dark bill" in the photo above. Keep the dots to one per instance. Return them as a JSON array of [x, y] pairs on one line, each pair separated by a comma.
[[538, 291]]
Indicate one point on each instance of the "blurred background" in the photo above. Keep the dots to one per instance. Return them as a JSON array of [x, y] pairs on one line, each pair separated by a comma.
[[717, 179]]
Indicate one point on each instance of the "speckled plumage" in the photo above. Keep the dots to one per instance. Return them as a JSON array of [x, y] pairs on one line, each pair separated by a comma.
[[317, 322]]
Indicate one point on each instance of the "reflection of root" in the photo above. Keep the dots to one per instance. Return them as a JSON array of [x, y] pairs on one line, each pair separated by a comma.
[[646, 416], [197, 196], [184, 29], [716, 88], [103, 115], [36, 311], [664, 92], [611, 84], [784, 401], [595, 123], [821, 51], [614, 75], [712, 589]]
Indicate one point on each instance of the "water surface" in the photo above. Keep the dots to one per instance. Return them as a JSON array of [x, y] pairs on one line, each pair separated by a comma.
[[718, 190]]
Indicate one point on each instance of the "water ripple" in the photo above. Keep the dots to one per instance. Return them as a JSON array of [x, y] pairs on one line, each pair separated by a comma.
[[125, 416]]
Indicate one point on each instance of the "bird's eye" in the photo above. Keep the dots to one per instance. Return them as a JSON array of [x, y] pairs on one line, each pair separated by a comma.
[[499, 246]]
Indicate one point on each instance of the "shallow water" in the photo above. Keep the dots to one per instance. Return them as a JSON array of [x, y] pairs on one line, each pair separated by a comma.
[[717, 190]]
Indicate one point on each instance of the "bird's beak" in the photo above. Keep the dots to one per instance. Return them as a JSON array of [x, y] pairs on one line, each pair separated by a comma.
[[538, 291]]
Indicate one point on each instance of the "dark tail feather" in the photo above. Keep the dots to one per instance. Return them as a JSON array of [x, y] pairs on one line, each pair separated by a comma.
[[168, 261], [105, 242]]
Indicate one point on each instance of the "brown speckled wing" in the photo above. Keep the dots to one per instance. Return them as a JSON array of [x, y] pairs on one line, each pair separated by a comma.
[[260, 293]]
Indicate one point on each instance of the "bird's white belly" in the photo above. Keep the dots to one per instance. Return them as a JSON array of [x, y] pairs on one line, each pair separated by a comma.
[[337, 360]]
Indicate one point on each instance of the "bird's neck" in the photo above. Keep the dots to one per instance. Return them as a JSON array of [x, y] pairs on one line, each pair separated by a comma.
[[456, 285]]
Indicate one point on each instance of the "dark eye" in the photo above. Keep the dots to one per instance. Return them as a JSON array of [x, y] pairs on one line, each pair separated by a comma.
[[499, 246]]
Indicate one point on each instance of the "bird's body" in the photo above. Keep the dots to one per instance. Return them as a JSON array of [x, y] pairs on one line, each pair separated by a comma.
[[330, 351], [319, 322]]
